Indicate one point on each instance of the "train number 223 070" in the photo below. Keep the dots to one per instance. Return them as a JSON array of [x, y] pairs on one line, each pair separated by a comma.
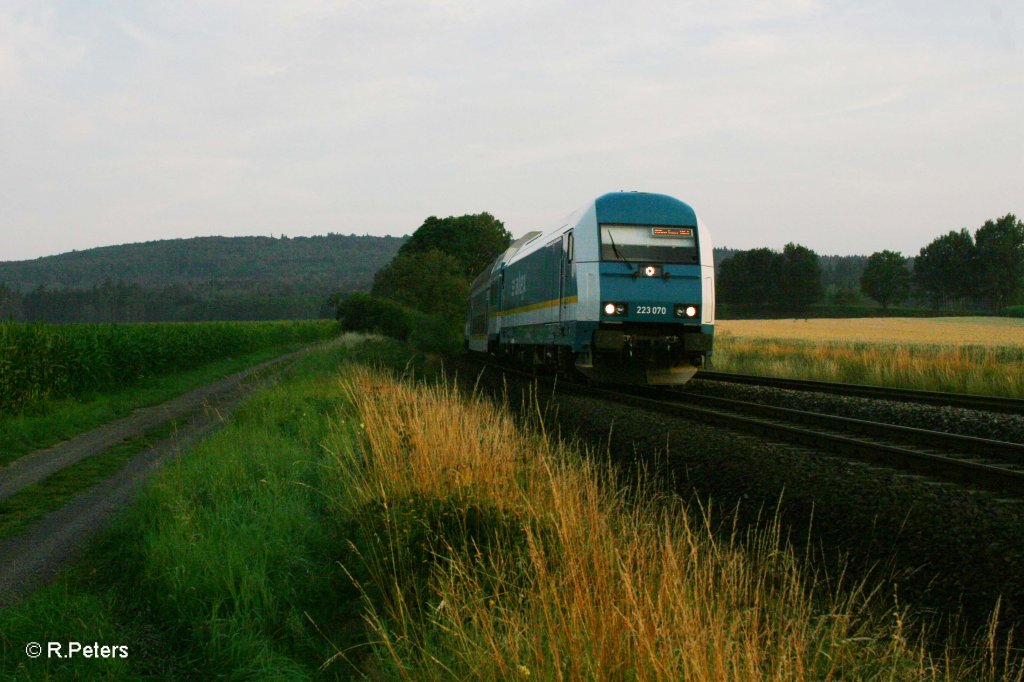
[[651, 310]]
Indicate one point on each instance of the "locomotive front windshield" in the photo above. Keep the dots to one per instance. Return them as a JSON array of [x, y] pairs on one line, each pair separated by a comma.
[[647, 243]]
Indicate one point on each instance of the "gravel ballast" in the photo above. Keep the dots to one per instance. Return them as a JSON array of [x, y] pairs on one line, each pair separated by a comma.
[[994, 425]]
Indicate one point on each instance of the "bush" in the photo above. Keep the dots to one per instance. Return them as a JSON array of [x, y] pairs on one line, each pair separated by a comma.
[[1015, 311], [366, 313], [430, 333], [433, 334]]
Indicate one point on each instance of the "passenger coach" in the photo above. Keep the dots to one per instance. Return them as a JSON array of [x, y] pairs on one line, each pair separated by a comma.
[[623, 291]]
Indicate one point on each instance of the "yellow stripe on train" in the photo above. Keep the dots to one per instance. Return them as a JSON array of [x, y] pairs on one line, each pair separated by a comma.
[[536, 306]]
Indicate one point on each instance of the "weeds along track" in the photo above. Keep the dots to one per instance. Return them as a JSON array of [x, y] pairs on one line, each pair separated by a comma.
[[972, 402], [951, 550], [966, 460]]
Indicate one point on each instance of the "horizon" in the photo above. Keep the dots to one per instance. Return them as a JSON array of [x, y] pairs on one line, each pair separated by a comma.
[[722, 247]]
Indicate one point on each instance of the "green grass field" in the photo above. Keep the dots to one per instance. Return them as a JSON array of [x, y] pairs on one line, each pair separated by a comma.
[[350, 525]]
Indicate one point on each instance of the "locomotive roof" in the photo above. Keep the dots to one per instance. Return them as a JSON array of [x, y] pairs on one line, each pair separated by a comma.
[[644, 208], [503, 258]]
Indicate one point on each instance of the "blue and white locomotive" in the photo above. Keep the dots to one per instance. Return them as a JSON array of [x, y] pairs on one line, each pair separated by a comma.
[[624, 291]]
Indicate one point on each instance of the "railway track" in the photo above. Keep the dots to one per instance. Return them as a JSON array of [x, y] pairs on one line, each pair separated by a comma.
[[976, 462], [973, 402], [981, 462]]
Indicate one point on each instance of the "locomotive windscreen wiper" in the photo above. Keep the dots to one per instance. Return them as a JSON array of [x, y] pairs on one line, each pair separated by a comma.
[[616, 251]]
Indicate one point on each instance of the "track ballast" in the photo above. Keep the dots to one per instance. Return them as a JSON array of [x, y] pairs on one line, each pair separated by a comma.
[[975, 462], [965, 400]]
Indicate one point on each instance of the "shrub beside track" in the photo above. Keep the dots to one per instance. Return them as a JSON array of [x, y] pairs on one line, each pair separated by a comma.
[[40, 361]]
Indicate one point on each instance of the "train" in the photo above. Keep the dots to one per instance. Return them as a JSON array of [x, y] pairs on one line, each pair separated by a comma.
[[622, 292]]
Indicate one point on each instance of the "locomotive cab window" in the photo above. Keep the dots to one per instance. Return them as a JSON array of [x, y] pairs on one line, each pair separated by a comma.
[[644, 243]]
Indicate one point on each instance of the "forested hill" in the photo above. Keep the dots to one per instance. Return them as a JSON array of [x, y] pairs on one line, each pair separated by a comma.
[[223, 278], [203, 278], [336, 261]]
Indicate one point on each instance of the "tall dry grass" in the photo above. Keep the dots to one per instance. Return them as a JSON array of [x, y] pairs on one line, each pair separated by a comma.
[[485, 551]]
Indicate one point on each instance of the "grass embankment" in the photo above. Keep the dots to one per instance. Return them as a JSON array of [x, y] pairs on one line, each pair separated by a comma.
[[965, 355], [50, 418], [480, 550]]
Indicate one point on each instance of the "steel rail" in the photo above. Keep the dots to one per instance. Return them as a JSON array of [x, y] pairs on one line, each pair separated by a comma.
[[965, 400], [979, 474], [942, 466], [987, 447]]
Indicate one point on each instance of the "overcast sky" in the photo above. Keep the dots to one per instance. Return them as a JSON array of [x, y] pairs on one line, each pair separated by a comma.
[[845, 126]]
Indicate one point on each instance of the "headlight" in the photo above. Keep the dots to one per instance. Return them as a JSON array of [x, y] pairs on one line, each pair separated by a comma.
[[687, 311], [648, 271], [614, 309]]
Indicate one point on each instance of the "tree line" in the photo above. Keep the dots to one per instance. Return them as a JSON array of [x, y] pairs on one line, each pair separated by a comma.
[[309, 262], [955, 270], [790, 279], [207, 301]]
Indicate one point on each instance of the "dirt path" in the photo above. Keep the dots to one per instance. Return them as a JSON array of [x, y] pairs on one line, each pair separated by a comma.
[[29, 559]]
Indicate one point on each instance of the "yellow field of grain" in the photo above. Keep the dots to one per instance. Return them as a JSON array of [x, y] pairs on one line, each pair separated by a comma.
[[957, 331], [981, 355]]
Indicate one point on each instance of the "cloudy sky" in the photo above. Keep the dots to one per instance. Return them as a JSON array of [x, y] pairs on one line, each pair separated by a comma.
[[847, 126]]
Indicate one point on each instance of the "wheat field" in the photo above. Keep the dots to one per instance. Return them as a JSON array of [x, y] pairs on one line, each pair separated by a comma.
[[980, 355], [956, 331]]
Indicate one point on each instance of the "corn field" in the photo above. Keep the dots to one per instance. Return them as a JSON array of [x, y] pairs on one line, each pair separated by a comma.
[[40, 361]]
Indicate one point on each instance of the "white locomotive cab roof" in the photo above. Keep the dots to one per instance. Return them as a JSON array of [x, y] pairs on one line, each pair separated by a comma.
[[482, 280], [515, 246], [541, 239]]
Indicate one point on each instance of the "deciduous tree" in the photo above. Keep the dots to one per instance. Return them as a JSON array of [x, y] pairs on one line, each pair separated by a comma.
[[431, 282], [800, 285], [1000, 259], [750, 277], [472, 240], [945, 269], [886, 277]]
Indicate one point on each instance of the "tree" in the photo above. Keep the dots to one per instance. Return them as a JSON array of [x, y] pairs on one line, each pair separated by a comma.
[[1000, 259], [764, 277], [10, 303], [362, 312], [472, 240], [886, 277], [945, 269], [430, 282], [750, 277], [800, 285]]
